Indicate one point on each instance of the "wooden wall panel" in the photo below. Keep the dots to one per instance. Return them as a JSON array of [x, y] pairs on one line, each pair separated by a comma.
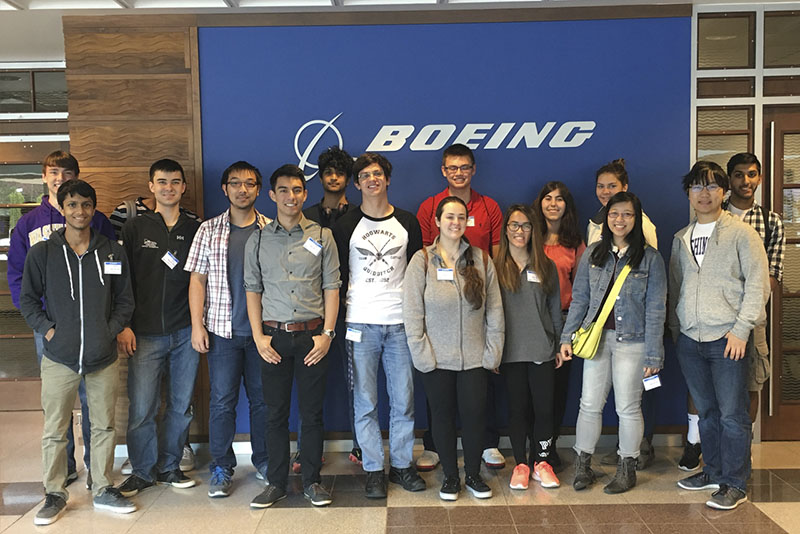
[[131, 144], [127, 52], [114, 187], [112, 97]]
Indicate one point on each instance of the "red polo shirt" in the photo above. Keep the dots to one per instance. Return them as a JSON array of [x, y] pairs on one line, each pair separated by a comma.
[[482, 210]]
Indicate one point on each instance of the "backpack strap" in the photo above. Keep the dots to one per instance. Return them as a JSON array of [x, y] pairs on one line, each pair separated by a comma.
[[767, 228]]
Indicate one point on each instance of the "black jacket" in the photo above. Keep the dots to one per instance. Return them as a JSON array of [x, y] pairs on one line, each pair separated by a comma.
[[161, 293], [84, 301]]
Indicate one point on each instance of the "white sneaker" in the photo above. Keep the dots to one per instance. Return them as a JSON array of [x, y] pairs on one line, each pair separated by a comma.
[[494, 458], [126, 468], [187, 460], [427, 461]]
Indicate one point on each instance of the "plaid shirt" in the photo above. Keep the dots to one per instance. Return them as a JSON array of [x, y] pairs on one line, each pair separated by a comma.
[[776, 242], [209, 255]]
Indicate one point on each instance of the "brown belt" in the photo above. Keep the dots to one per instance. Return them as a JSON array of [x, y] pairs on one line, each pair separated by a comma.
[[299, 326]]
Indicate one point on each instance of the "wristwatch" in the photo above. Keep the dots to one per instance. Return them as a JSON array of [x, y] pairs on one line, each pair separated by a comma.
[[330, 333]]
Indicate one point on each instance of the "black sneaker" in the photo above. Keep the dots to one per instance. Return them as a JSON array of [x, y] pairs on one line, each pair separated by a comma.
[[697, 482], [451, 487], [375, 488], [318, 495], [54, 506], [134, 485], [691, 457], [355, 456], [268, 497], [110, 499], [72, 476], [176, 479], [408, 478], [726, 498], [477, 486], [89, 479]]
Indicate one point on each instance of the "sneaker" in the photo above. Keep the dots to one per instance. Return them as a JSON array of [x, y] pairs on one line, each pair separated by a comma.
[[318, 495], [451, 487], [268, 497], [176, 479], [690, 460], [134, 485], [89, 479], [697, 482], [355, 455], [127, 468], [408, 478], [54, 506], [261, 476], [296, 467], [544, 475], [72, 476], [726, 498], [427, 461], [494, 458], [188, 462], [520, 476], [375, 488], [220, 483], [477, 486], [112, 500]]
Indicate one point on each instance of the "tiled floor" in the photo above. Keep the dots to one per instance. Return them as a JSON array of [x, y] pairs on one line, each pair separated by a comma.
[[655, 506]]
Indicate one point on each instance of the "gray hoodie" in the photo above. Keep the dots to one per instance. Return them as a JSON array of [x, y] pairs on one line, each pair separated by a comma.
[[443, 329], [728, 293]]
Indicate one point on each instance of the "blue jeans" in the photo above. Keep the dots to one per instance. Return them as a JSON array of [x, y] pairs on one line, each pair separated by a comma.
[[229, 362], [155, 356], [385, 343], [718, 386], [86, 430], [620, 364]]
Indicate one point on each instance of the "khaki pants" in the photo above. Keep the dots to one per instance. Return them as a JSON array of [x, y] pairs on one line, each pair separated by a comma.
[[59, 388], [759, 363]]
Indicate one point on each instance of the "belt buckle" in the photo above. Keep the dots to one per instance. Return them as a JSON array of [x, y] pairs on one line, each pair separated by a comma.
[[286, 327]]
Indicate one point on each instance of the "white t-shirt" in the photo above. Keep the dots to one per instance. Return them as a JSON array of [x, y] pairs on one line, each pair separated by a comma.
[[700, 236], [736, 211]]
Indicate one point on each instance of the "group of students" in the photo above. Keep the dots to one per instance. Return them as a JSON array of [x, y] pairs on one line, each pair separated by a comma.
[[463, 293]]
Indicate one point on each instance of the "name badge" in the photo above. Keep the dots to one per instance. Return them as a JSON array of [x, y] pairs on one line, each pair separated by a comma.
[[651, 382], [169, 260], [471, 221], [532, 276], [112, 267], [312, 246], [444, 274], [353, 335]]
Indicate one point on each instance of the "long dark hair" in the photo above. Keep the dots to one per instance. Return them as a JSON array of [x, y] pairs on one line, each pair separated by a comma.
[[507, 270], [635, 239], [473, 283], [569, 234]]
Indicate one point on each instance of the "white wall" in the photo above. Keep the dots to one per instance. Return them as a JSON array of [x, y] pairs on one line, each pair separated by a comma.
[[31, 36]]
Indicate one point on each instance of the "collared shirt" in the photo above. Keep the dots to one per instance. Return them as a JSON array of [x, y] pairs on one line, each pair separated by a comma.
[[209, 255], [290, 277], [775, 243], [483, 227]]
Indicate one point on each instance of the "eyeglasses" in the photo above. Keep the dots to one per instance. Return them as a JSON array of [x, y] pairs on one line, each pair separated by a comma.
[[516, 227], [247, 185], [366, 175], [711, 188], [626, 215], [463, 168]]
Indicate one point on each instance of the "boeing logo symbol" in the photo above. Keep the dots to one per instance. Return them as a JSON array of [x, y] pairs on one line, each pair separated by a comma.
[[303, 158]]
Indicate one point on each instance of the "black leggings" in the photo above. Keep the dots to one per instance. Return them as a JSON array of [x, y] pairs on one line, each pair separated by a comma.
[[530, 383], [462, 392]]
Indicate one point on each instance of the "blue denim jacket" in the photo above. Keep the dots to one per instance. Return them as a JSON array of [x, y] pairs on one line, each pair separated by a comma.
[[640, 309]]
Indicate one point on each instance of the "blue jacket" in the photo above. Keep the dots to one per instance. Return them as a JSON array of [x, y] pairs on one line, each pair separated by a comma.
[[640, 309], [36, 226]]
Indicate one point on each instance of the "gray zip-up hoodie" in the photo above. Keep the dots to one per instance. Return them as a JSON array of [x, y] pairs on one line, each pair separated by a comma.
[[443, 329], [728, 293], [88, 300]]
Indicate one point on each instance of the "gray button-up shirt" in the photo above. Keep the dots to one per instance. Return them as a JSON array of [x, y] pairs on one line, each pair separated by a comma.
[[290, 278]]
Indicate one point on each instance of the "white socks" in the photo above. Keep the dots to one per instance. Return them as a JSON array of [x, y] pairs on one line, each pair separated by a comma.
[[693, 436]]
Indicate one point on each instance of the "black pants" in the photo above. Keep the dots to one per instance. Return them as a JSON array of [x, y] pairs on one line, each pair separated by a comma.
[[463, 392], [277, 383], [530, 383], [561, 391]]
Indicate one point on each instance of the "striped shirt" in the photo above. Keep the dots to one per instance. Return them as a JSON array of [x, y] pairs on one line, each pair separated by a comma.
[[120, 215], [209, 256]]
